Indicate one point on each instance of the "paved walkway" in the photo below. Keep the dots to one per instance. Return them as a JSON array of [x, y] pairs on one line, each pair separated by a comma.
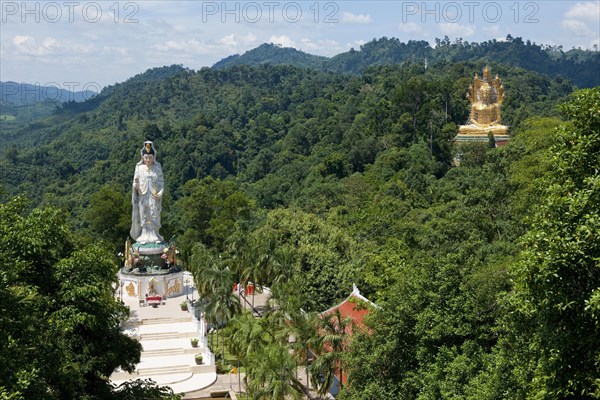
[[222, 384]]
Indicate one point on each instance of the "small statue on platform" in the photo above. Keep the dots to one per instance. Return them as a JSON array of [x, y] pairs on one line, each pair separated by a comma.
[[146, 198]]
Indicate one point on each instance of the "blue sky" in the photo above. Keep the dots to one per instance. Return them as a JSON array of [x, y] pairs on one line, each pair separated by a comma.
[[90, 44]]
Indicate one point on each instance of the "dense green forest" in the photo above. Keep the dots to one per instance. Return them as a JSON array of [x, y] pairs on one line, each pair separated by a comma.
[[579, 66], [14, 117], [61, 336], [485, 275]]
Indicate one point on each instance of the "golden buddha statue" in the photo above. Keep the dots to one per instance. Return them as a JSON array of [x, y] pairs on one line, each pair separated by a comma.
[[486, 96]]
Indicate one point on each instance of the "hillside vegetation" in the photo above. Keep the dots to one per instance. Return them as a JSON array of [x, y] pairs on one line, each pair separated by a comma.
[[579, 66], [309, 181]]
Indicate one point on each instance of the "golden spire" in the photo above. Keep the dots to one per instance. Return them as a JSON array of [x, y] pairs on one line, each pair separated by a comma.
[[486, 74]]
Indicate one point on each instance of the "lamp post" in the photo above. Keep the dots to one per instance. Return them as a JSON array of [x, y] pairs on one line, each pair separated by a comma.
[[187, 289]]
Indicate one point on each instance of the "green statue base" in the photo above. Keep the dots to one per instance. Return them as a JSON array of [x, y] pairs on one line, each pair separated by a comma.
[[150, 258]]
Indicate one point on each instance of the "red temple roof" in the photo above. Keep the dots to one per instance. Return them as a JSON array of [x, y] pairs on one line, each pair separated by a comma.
[[353, 307]]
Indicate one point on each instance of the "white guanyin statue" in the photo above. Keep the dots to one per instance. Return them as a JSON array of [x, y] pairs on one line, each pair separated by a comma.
[[146, 198]]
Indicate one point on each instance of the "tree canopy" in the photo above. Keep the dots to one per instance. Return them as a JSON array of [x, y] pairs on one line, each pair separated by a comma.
[[485, 275], [61, 336]]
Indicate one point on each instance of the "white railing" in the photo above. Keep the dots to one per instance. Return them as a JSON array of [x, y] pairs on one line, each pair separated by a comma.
[[200, 326]]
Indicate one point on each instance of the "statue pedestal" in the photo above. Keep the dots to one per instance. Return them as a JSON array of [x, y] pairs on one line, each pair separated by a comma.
[[150, 273], [137, 285], [480, 134], [474, 129], [486, 96]]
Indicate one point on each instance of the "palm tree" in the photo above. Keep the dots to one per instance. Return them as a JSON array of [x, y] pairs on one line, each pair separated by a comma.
[[185, 245], [245, 339], [273, 375], [258, 265], [275, 318], [214, 281], [281, 269], [284, 320], [201, 261], [329, 346], [302, 328], [271, 262], [239, 256], [223, 303]]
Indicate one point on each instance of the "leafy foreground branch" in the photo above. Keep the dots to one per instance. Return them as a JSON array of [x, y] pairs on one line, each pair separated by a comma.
[[60, 334]]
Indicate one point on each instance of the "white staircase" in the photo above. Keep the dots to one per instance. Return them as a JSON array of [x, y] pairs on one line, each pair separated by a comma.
[[168, 356]]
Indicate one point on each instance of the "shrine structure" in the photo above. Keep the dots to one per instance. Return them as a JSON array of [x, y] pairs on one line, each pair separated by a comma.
[[486, 96]]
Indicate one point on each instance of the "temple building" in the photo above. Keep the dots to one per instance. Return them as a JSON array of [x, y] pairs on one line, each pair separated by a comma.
[[486, 96], [352, 310]]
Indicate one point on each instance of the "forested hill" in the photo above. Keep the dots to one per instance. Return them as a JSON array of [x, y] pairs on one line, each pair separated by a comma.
[[275, 55], [580, 66], [308, 182], [271, 127]]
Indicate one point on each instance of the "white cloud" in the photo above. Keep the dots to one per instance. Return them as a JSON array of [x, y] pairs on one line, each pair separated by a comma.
[[128, 60], [282, 41], [327, 47], [493, 30], [574, 19], [457, 30], [89, 36], [412, 27], [229, 41], [170, 45], [157, 27], [355, 44], [577, 28], [115, 51], [28, 46], [356, 18], [192, 46], [184, 46], [77, 48], [587, 11], [180, 29], [234, 42]]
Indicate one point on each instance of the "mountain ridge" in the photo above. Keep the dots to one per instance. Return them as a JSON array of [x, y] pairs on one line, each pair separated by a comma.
[[22, 93], [576, 65], [269, 53]]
